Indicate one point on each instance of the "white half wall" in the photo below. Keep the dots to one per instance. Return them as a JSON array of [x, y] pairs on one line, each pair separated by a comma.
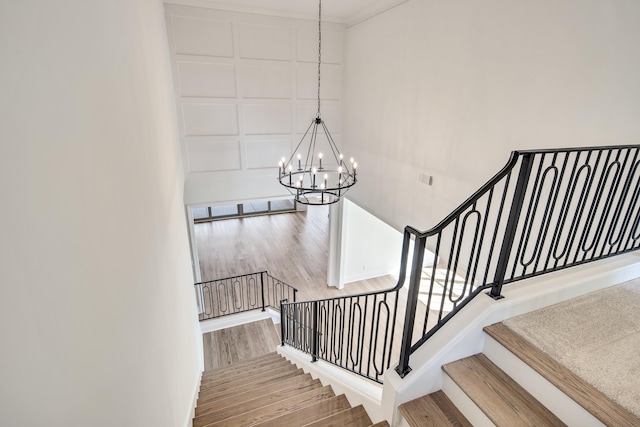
[[361, 246], [98, 318]]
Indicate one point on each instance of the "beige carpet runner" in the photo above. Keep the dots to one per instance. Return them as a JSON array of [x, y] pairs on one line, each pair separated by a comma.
[[596, 336]]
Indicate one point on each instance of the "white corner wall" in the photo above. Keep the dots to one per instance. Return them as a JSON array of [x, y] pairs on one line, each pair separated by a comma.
[[97, 313], [371, 248], [449, 88]]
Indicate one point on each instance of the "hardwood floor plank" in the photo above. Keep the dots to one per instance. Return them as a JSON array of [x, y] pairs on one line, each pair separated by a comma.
[[433, 410], [265, 413], [239, 387], [503, 400], [254, 393], [599, 405], [352, 417], [309, 414], [239, 343], [253, 404]]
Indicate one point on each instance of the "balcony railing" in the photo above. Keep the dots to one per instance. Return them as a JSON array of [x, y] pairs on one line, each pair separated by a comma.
[[221, 297], [546, 210]]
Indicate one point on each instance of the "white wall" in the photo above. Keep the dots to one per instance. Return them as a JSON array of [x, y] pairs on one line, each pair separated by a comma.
[[367, 246], [97, 312], [449, 88], [245, 90]]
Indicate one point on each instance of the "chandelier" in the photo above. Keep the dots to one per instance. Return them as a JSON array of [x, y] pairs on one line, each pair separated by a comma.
[[312, 177]]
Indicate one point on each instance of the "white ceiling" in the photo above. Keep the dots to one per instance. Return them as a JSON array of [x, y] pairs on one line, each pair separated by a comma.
[[347, 11]]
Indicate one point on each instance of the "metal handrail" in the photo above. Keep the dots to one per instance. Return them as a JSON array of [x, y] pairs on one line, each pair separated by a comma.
[[508, 230], [245, 292]]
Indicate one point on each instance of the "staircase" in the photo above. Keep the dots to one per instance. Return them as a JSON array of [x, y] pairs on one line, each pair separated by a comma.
[[270, 391], [511, 384]]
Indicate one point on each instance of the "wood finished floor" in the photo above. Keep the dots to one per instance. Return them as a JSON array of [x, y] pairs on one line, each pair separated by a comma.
[[239, 343], [292, 247]]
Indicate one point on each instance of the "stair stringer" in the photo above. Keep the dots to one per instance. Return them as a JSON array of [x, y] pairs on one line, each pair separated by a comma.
[[463, 336]]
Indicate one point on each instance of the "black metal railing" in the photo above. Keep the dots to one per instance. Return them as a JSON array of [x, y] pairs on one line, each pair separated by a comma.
[[238, 294], [355, 332], [546, 210]]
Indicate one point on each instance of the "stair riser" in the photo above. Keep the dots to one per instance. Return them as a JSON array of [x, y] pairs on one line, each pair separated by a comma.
[[550, 396], [468, 408]]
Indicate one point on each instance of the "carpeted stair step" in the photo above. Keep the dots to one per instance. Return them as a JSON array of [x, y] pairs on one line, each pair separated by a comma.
[[259, 415], [243, 384], [434, 409], [254, 393], [324, 408], [497, 395], [584, 394], [352, 417]]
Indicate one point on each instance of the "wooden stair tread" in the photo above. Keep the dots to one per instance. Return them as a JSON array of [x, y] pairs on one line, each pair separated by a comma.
[[503, 400], [248, 371], [352, 417], [277, 409], [383, 423], [236, 388], [253, 393], [250, 379], [250, 405], [587, 396], [312, 413], [241, 366], [433, 410]]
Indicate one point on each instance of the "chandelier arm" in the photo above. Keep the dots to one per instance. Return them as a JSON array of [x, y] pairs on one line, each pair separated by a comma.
[[332, 144], [308, 163], [299, 143]]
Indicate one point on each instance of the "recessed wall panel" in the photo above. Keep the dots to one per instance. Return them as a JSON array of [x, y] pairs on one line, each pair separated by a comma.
[[267, 119], [265, 42], [213, 156], [330, 85], [210, 120], [199, 79], [266, 153], [195, 36], [307, 46], [263, 81]]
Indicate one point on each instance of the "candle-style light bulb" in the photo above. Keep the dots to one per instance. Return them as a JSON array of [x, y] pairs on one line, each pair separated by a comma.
[[339, 169], [326, 176], [355, 165], [299, 167], [352, 160], [314, 170], [320, 159]]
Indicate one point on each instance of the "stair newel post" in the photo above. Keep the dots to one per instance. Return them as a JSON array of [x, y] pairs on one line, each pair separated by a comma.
[[412, 301], [315, 336], [262, 288], [512, 224]]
